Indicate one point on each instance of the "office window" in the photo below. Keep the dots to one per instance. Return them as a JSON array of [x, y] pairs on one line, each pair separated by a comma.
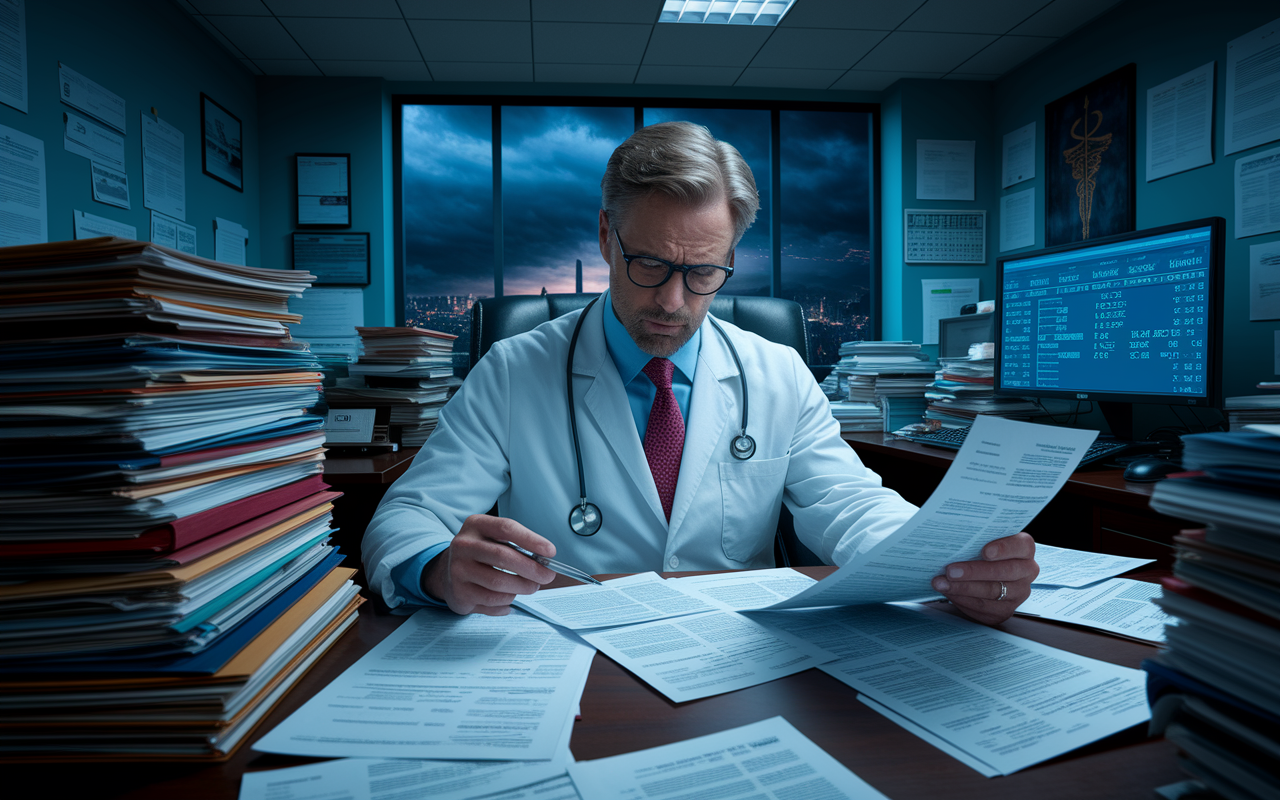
[[550, 159]]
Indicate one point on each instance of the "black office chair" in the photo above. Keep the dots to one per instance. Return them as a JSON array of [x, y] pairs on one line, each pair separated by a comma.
[[773, 318]]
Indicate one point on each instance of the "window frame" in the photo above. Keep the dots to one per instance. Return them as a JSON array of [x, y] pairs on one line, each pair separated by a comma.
[[637, 104]]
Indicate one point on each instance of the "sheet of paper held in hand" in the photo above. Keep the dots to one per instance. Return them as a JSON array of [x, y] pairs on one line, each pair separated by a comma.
[[1005, 473], [766, 760], [447, 687]]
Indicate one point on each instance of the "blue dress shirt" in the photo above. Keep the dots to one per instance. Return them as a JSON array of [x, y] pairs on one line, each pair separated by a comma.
[[630, 360]]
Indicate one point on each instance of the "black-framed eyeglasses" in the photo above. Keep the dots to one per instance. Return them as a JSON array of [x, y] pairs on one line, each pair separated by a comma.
[[650, 272]]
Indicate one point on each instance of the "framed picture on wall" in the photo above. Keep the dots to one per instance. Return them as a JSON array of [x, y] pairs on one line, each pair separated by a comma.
[[324, 190], [221, 156], [1090, 161]]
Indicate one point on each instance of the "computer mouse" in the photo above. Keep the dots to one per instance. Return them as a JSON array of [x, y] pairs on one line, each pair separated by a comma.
[[1147, 470]]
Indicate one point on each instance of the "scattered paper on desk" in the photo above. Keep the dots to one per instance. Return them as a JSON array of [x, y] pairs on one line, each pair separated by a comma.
[[751, 589], [703, 655], [447, 687], [1061, 566], [1005, 473], [1006, 701], [986, 770], [766, 759], [643, 597], [1118, 606], [376, 779]]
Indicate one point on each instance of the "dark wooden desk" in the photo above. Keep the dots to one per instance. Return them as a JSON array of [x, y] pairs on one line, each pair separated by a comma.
[[620, 714], [363, 480], [1096, 510]]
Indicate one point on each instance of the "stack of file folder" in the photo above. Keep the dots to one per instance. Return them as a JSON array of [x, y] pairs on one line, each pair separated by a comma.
[[407, 370], [964, 387], [164, 569], [1213, 691], [1253, 409]]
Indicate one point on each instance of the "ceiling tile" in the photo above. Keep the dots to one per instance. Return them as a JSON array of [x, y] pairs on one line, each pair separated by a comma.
[[354, 39], [584, 73], [688, 76], [259, 37], [872, 81], [1062, 17], [971, 16], [213, 31], [454, 40], [705, 45], [956, 76], [1004, 54], [240, 8], [846, 14], [461, 71], [388, 70], [789, 78], [252, 67], [924, 52], [367, 9], [641, 11], [589, 42], [284, 66], [814, 48], [517, 10]]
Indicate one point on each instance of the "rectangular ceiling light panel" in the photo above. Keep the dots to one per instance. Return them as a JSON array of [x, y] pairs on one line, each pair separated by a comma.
[[726, 12]]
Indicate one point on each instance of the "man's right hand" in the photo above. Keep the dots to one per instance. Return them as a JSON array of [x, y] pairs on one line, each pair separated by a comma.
[[472, 574]]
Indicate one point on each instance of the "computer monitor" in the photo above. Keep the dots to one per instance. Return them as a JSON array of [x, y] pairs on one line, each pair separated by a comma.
[[955, 334], [1130, 318]]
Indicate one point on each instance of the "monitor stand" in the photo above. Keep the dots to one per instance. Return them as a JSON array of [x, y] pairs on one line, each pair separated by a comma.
[[1119, 417]]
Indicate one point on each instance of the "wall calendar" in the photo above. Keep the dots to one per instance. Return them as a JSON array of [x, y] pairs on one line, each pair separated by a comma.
[[944, 236]]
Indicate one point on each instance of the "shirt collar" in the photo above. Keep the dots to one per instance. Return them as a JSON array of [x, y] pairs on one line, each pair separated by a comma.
[[630, 359]]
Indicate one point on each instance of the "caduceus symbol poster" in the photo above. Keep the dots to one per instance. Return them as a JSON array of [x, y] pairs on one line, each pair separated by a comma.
[[1089, 160]]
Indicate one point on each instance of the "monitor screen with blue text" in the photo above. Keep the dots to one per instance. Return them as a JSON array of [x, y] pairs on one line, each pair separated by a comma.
[[1128, 318]]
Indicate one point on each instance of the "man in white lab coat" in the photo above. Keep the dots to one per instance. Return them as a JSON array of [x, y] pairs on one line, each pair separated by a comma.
[[658, 402]]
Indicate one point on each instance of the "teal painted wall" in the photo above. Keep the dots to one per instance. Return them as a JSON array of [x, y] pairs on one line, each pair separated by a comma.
[[154, 56], [1165, 38], [929, 109]]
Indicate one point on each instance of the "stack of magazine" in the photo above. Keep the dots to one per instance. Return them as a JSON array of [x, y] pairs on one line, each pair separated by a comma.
[[164, 571], [409, 372], [1213, 691], [963, 388]]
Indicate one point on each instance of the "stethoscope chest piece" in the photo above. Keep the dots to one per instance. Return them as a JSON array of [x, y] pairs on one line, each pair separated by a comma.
[[585, 519], [743, 447]]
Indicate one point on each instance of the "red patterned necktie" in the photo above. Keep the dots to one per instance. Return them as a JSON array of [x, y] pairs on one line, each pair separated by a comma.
[[664, 436]]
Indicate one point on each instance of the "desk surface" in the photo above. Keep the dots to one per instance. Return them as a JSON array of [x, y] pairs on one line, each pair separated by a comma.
[[621, 714], [382, 469], [1097, 483]]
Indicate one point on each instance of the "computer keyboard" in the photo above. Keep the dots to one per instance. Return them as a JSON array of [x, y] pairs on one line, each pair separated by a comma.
[[953, 438]]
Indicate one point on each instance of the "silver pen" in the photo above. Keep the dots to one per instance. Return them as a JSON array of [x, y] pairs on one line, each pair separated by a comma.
[[556, 566]]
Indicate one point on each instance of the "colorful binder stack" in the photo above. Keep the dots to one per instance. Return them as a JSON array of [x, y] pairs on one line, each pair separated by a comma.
[[164, 572], [1213, 691], [409, 371]]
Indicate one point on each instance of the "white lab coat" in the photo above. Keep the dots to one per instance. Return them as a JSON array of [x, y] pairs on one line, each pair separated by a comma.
[[505, 438]]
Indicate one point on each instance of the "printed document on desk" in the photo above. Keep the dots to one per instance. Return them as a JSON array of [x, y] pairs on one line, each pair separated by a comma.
[[447, 687], [1005, 701], [1003, 476], [644, 597], [1118, 606], [766, 759]]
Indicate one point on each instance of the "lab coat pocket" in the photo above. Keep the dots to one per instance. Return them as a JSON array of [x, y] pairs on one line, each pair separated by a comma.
[[752, 495]]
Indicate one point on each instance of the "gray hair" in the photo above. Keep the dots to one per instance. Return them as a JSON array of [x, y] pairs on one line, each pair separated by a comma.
[[685, 162]]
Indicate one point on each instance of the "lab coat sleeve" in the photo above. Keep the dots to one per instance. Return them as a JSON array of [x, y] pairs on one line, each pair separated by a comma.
[[462, 470], [840, 507]]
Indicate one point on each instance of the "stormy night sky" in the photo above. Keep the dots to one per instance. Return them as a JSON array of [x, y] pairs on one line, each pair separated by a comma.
[[553, 158]]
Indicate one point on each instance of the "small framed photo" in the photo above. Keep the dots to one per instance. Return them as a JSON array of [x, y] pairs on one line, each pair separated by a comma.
[[336, 259], [324, 190], [221, 156]]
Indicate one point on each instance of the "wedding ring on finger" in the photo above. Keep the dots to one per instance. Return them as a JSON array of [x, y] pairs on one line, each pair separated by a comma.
[[1004, 591]]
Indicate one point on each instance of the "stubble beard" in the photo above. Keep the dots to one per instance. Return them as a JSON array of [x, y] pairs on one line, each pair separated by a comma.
[[657, 345]]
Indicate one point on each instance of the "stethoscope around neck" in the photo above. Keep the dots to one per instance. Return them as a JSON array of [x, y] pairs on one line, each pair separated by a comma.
[[586, 518]]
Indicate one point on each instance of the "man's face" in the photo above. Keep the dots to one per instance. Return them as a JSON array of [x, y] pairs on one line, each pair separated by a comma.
[[663, 318]]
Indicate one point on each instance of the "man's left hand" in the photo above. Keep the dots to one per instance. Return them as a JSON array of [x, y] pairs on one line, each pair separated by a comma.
[[1007, 568]]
